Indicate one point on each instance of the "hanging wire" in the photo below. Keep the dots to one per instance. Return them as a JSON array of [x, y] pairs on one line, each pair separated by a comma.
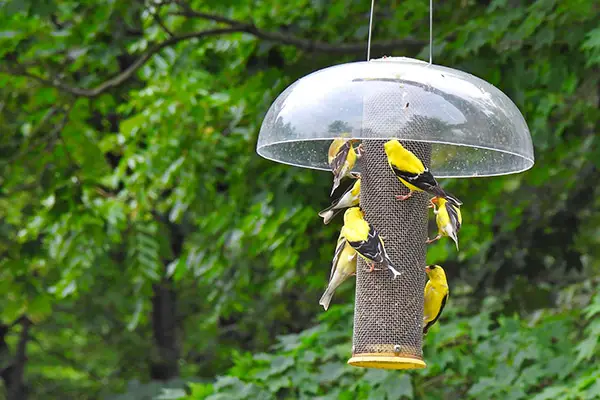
[[370, 30], [430, 32]]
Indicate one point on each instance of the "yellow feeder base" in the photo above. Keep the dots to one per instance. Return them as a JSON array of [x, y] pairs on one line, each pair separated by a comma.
[[386, 361]]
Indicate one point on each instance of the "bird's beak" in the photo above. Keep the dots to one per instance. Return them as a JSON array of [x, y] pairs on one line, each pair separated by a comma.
[[427, 269]]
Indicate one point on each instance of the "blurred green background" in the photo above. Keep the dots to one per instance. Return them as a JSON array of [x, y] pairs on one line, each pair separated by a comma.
[[147, 252]]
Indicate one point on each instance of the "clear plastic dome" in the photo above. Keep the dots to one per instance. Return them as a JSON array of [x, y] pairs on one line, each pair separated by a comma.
[[474, 128]]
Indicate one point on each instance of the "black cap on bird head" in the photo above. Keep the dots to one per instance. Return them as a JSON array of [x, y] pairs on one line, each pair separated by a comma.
[[430, 267]]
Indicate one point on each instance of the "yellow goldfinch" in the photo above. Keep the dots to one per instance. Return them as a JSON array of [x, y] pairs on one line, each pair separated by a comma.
[[412, 173], [350, 198], [365, 240], [341, 158], [436, 295], [448, 219], [342, 267]]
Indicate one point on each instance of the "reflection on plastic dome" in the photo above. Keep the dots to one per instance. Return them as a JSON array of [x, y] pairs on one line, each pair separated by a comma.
[[476, 129], [447, 160]]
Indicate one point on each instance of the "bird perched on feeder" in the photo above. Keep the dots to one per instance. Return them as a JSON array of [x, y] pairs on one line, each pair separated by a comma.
[[341, 157], [436, 295], [342, 267], [412, 173], [448, 219], [365, 240], [349, 198]]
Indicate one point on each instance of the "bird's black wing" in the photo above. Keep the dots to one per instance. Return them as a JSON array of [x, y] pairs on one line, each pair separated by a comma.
[[336, 201], [338, 250], [340, 158], [453, 214], [370, 248], [424, 181], [452, 199], [433, 321]]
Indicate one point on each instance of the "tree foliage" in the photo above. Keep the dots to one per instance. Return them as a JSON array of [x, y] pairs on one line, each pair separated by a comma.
[[148, 251]]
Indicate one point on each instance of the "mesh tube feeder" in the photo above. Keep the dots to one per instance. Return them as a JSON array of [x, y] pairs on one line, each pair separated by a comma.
[[459, 125]]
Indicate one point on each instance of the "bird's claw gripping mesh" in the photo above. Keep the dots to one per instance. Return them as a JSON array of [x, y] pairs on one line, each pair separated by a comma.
[[388, 314]]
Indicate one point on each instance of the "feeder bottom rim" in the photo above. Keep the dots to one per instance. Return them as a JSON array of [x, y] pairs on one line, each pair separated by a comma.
[[386, 361]]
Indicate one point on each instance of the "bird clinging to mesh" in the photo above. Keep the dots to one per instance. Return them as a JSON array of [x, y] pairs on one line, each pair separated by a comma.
[[363, 237], [448, 219], [341, 158], [342, 267], [349, 198], [412, 173], [436, 295]]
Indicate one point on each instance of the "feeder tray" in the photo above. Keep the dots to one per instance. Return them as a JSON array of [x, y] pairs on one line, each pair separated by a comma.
[[456, 123]]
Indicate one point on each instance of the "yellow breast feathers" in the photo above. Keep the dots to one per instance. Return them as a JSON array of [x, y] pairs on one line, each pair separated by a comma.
[[403, 159], [355, 228]]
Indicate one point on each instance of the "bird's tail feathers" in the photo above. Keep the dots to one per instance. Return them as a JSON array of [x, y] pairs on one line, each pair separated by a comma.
[[326, 298], [454, 237], [439, 192], [336, 183], [426, 329], [328, 214], [336, 280], [388, 263], [453, 199]]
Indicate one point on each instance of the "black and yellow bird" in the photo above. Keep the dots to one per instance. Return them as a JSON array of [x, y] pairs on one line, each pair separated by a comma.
[[365, 240], [436, 295], [412, 173], [341, 158], [343, 266], [448, 219], [349, 198]]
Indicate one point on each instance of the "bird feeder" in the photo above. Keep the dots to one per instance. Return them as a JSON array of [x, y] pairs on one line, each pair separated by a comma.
[[459, 125]]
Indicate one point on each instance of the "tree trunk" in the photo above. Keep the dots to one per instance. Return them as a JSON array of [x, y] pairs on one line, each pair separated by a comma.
[[164, 327], [13, 371]]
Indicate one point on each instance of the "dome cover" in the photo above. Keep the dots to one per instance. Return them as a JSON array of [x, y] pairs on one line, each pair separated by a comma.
[[474, 128]]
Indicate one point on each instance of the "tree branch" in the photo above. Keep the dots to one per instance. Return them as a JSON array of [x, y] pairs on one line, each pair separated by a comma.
[[301, 43], [342, 48], [121, 77], [49, 114], [59, 130], [62, 357], [234, 27], [160, 22], [189, 13], [16, 389], [26, 147]]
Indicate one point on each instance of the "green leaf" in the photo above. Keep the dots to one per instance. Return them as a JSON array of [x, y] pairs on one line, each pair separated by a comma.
[[281, 363], [39, 308], [586, 349], [376, 376], [332, 371], [200, 390], [398, 386], [592, 40], [553, 392], [83, 149], [135, 318], [593, 391], [172, 394]]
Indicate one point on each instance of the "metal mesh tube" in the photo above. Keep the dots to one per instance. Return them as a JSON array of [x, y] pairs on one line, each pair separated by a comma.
[[389, 313]]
